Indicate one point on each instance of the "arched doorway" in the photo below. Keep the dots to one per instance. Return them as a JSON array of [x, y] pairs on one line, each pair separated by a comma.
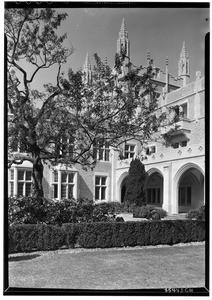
[[154, 189], [123, 189], [190, 190]]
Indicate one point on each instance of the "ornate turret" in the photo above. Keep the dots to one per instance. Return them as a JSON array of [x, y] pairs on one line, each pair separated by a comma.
[[87, 72], [123, 43], [183, 65]]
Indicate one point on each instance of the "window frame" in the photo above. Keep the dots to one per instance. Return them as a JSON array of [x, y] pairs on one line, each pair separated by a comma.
[[105, 155], [100, 185], [57, 185], [129, 151], [150, 147], [14, 182]]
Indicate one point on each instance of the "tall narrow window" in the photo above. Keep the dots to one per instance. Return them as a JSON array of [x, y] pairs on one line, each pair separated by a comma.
[[101, 151], [185, 195], [153, 195], [184, 111], [24, 182], [100, 187], [11, 182]]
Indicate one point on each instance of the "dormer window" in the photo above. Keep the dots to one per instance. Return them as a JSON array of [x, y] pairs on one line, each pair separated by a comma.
[[150, 150]]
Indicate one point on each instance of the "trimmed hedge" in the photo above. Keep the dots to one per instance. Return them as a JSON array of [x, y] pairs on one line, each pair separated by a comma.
[[104, 235]]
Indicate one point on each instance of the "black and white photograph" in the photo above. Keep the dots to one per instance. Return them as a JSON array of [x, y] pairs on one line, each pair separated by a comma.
[[106, 141]]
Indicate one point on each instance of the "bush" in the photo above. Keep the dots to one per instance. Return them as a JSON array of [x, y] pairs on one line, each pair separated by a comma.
[[197, 214], [28, 210], [149, 212], [104, 235], [119, 219], [135, 191]]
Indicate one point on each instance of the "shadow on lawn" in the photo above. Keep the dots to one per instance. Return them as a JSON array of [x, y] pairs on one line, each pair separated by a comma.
[[23, 257]]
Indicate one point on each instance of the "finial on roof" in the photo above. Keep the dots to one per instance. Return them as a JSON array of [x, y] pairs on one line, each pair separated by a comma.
[[105, 59], [167, 60], [148, 55]]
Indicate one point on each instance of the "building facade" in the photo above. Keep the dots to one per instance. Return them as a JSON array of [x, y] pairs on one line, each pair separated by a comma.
[[175, 170]]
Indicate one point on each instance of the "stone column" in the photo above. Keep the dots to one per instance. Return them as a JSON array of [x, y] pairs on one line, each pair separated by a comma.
[[167, 184], [113, 174]]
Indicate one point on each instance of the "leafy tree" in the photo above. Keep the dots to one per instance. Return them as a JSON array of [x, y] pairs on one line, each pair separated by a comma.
[[135, 191], [73, 117]]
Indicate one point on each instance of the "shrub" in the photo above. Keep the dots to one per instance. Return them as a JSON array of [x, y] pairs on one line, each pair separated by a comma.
[[149, 212], [197, 214], [119, 219], [28, 210], [135, 191], [29, 237]]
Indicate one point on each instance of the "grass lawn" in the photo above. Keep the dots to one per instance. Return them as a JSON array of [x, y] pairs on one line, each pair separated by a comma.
[[123, 268]]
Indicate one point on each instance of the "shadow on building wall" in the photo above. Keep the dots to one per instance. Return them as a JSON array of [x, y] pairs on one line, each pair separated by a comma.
[[84, 189]]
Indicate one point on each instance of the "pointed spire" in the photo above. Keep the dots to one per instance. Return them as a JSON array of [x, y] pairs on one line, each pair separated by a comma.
[[123, 43], [123, 30], [87, 70], [184, 65], [87, 64], [167, 75], [184, 52]]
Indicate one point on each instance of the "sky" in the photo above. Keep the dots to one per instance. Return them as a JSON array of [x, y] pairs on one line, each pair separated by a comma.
[[161, 30]]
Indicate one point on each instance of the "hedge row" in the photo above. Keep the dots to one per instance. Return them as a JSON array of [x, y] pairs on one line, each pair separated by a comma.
[[28, 237]]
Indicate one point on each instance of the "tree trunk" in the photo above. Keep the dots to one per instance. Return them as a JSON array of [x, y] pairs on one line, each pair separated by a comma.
[[37, 176]]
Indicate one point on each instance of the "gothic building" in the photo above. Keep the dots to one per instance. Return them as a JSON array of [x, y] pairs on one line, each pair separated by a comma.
[[175, 170]]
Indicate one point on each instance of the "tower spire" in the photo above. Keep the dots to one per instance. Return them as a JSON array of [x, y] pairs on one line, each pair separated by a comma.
[[87, 70], [184, 65], [123, 43]]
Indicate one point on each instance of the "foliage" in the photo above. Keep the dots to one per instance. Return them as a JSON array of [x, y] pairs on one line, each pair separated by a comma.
[[119, 219], [149, 212], [104, 235], [135, 191], [197, 214], [28, 210], [73, 118]]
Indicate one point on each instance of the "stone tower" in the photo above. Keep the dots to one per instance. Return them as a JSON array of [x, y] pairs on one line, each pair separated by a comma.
[[183, 65], [87, 72]]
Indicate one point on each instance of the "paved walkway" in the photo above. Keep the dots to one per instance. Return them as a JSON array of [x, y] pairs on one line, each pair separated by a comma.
[[129, 217]]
